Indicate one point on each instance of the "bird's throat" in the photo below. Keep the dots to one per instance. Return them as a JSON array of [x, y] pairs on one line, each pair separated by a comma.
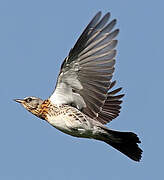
[[43, 109]]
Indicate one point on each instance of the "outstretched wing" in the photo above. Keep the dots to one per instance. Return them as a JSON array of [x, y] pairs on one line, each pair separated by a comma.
[[86, 73], [111, 108]]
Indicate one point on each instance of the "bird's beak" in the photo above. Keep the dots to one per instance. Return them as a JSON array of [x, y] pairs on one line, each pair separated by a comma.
[[19, 100]]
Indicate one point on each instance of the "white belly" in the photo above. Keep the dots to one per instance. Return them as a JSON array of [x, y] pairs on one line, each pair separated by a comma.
[[71, 126]]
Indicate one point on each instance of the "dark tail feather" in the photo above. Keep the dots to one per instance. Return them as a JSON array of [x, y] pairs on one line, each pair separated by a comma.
[[125, 142]]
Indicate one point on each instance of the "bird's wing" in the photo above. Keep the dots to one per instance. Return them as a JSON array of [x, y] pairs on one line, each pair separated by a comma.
[[111, 108], [86, 73]]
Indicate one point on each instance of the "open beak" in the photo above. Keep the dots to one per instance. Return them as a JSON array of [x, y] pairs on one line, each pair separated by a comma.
[[19, 100]]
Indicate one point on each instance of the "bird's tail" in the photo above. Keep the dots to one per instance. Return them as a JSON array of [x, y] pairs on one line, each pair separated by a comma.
[[125, 142]]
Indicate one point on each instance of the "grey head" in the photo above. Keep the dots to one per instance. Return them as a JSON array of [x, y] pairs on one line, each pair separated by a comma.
[[32, 104]]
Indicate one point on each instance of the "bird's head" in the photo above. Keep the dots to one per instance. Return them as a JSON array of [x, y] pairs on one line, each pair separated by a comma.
[[32, 104]]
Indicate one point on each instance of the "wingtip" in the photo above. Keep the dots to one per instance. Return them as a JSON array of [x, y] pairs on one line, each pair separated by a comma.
[[107, 15], [98, 14]]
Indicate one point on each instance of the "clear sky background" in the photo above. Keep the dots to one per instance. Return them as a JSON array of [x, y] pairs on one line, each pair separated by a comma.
[[35, 37]]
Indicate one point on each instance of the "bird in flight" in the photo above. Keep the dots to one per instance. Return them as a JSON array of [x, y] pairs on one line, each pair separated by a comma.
[[83, 102]]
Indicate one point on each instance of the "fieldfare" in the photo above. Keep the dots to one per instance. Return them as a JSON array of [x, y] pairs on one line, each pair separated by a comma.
[[83, 101]]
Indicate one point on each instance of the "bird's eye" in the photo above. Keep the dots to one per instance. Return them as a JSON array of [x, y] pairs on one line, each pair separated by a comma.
[[28, 100]]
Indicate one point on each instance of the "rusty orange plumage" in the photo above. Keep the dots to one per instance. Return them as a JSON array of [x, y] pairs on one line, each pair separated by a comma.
[[44, 109]]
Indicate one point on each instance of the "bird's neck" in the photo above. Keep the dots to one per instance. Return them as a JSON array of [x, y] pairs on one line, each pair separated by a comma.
[[43, 109]]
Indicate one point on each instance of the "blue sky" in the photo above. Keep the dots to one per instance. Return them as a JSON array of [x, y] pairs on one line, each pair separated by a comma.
[[35, 37]]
